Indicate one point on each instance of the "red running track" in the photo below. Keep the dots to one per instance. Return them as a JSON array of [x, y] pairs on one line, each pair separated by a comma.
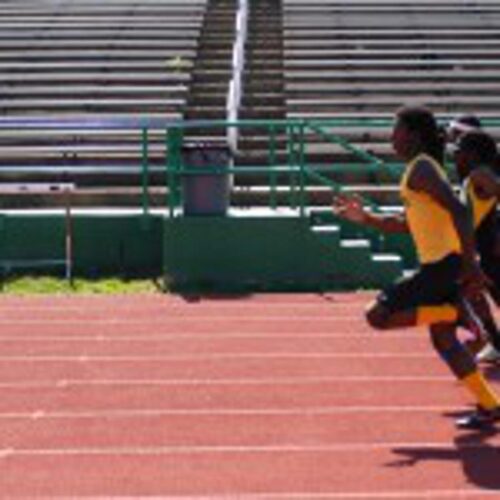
[[256, 397]]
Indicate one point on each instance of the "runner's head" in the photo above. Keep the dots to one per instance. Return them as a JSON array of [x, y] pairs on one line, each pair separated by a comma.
[[475, 149], [416, 131]]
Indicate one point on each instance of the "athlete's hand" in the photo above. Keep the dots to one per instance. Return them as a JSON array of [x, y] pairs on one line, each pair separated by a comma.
[[349, 207]]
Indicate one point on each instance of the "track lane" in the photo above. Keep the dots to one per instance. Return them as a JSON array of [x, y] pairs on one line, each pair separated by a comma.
[[284, 396]]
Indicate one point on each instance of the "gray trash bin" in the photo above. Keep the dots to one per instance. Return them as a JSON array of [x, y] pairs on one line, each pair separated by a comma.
[[205, 194]]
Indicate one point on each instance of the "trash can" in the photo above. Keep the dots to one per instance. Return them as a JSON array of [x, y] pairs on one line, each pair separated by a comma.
[[205, 194]]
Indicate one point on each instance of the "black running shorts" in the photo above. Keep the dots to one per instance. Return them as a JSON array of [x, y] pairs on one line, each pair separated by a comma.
[[431, 285]]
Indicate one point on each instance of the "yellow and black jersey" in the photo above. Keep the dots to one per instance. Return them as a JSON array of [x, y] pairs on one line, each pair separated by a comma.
[[484, 216], [430, 225]]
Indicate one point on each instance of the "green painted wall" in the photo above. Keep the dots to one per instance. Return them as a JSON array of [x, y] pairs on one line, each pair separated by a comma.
[[31, 237], [103, 245], [124, 245], [268, 253], [258, 253]]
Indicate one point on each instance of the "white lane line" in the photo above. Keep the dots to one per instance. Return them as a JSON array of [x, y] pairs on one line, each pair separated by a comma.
[[175, 306], [10, 300], [37, 415], [306, 495], [160, 319], [222, 412], [68, 383], [211, 336], [240, 449], [84, 358]]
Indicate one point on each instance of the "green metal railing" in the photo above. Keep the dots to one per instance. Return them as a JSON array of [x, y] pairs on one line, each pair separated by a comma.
[[287, 152], [296, 136]]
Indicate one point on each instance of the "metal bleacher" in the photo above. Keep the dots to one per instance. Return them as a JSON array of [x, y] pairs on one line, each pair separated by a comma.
[[365, 58], [86, 61], [81, 61]]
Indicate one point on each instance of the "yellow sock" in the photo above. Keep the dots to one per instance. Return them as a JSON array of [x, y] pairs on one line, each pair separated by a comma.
[[485, 396], [428, 315]]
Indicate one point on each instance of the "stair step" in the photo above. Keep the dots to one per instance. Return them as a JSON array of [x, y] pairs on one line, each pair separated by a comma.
[[255, 101], [386, 268], [325, 229], [328, 235], [386, 257], [354, 243]]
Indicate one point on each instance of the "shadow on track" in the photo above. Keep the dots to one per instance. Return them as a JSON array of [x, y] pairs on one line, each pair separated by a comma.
[[479, 458]]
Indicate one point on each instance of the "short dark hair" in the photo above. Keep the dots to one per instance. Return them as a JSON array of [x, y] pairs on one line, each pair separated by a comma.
[[480, 144]]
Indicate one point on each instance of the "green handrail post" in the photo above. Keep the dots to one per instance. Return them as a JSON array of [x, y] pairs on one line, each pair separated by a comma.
[[145, 172], [292, 162], [302, 178], [173, 139], [272, 164]]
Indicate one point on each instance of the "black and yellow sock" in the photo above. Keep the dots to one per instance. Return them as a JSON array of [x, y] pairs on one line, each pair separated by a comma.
[[481, 390]]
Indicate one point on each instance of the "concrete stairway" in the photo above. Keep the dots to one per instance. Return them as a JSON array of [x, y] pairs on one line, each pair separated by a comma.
[[212, 65], [263, 96], [263, 89]]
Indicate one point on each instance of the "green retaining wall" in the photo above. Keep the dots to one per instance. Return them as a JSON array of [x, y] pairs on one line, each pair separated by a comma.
[[258, 253], [103, 244], [268, 253]]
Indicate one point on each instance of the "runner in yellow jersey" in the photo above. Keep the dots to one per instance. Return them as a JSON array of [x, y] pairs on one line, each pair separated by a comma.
[[443, 236], [477, 163]]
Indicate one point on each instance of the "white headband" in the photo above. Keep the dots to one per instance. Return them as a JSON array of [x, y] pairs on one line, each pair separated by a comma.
[[461, 126]]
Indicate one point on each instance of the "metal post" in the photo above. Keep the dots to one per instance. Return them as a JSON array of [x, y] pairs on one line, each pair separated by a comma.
[[272, 165], [68, 235], [292, 163], [302, 178], [145, 169], [173, 144]]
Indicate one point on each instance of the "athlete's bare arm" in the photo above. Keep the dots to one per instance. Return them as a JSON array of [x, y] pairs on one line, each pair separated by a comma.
[[352, 208], [486, 183]]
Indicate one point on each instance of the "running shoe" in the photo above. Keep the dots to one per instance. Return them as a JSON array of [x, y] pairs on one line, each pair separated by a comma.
[[475, 345], [480, 419], [488, 354]]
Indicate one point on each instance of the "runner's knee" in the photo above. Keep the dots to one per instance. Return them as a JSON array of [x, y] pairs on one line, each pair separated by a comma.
[[377, 316]]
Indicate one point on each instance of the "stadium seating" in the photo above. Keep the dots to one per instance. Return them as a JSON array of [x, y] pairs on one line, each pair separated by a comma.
[[89, 61], [366, 58], [363, 59]]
